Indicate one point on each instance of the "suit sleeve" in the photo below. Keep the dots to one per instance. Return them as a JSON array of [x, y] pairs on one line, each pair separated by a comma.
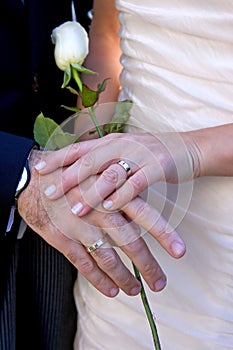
[[14, 151]]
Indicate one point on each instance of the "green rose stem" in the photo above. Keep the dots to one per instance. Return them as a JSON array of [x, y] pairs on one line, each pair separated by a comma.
[[148, 311], [95, 122]]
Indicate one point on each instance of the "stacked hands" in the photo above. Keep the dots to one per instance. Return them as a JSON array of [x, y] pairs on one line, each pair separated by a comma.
[[92, 203]]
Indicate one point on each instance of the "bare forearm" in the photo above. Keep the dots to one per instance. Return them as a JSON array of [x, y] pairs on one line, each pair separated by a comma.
[[104, 50], [214, 150]]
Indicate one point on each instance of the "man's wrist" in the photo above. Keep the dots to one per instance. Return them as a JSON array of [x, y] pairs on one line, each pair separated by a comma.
[[24, 180], [26, 174]]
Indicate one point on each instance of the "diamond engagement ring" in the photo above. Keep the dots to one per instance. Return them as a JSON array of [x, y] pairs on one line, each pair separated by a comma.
[[95, 245], [125, 166]]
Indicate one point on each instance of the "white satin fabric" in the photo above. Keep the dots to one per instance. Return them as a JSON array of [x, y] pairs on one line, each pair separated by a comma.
[[178, 70]]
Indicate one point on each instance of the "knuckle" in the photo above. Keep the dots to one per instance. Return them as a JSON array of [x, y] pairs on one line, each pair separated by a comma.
[[125, 281], [138, 183], [135, 246], [72, 257], [85, 266], [161, 231], [112, 137], [88, 161], [101, 283], [75, 147], [142, 210], [110, 176], [107, 259], [71, 155], [152, 269], [116, 221]]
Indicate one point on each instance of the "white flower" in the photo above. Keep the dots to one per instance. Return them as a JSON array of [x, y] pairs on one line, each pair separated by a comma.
[[71, 44]]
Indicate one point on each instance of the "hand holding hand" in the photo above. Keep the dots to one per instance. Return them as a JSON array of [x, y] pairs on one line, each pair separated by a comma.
[[138, 211], [71, 235]]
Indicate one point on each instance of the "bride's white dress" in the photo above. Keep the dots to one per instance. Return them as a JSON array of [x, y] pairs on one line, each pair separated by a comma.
[[178, 60]]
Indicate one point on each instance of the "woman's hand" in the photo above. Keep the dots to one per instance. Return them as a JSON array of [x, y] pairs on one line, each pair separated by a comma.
[[151, 158]]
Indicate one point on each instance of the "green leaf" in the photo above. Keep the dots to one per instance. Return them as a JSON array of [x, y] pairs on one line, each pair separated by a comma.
[[67, 77], [48, 134], [62, 139], [122, 111], [72, 90], [89, 97], [82, 69], [43, 129], [120, 117], [101, 87], [72, 109]]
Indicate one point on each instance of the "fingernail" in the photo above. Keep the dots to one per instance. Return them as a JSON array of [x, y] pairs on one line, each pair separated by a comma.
[[50, 190], [107, 204], [135, 290], [160, 284], [77, 208], [40, 165], [178, 248], [114, 292]]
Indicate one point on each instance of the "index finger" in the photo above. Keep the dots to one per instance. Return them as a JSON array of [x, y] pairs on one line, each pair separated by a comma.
[[52, 160]]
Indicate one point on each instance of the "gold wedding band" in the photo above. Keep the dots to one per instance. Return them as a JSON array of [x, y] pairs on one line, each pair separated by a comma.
[[124, 166], [95, 245]]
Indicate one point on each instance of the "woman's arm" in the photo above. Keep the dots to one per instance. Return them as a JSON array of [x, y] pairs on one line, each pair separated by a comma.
[[104, 50], [213, 150], [172, 157]]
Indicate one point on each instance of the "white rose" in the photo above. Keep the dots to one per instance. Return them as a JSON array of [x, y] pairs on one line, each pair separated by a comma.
[[71, 44]]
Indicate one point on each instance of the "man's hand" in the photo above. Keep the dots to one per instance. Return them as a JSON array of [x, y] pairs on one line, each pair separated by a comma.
[[71, 235], [32, 210]]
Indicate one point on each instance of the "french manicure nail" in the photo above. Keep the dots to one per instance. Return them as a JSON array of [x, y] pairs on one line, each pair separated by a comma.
[[40, 165], [50, 190], [107, 204], [77, 208]]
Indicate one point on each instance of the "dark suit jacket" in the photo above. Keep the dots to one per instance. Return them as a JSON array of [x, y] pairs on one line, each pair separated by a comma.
[[31, 83]]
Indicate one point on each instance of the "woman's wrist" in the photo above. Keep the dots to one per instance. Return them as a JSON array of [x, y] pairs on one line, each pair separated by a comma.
[[211, 150]]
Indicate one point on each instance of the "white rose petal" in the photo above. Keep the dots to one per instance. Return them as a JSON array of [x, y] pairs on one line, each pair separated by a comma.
[[71, 44]]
